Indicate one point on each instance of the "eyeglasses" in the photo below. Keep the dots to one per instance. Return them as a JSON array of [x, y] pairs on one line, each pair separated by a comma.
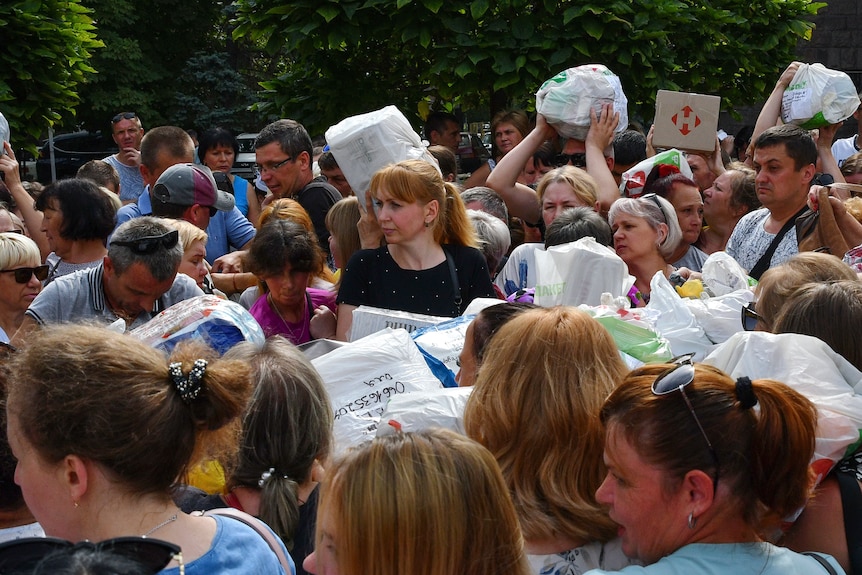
[[23, 275], [150, 244], [259, 169], [676, 379], [123, 116], [654, 198], [577, 160], [23, 555], [750, 317]]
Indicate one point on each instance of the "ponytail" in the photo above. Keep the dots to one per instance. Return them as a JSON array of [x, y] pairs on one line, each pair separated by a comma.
[[782, 447], [456, 228], [279, 505]]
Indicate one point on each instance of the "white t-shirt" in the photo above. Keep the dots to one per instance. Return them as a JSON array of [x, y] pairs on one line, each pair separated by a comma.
[[843, 149], [749, 241]]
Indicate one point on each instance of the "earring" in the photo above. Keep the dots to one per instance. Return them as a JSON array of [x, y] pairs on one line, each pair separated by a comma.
[[427, 224], [76, 503], [692, 520]]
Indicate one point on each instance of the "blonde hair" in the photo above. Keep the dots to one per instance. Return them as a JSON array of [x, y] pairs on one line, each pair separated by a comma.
[[17, 250], [418, 181], [341, 220], [582, 184], [544, 378], [189, 233], [425, 503]]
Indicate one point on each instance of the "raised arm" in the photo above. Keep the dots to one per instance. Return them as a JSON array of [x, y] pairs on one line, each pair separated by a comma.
[[828, 163], [599, 137], [32, 217], [771, 111], [521, 200]]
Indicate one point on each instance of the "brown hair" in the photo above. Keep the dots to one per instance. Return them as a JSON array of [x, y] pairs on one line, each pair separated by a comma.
[[107, 397], [778, 283], [830, 311], [341, 220], [289, 396], [763, 453], [418, 181], [545, 375], [424, 503]]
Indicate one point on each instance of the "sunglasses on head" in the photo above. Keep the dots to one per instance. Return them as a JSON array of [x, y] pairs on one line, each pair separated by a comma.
[[123, 116], [750, 317], [654, 199], [150, 244], [577, 160], [24, 555], [23, 275], [676, 379]]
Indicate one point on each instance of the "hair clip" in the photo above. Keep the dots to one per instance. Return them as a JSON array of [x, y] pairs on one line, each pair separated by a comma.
[[189, 386]]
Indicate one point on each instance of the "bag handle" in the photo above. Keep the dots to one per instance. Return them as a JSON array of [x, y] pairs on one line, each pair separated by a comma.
[[261, 528], [455, 282], [763, 263]]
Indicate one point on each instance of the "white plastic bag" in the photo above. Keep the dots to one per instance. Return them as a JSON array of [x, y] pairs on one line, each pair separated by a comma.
[[723, 275], [818, 96], [566, 99], [362, 376], [221, 323], [425, 409], [634, 179], [578, 273], [444, 340], [675, 322], [365, 143], [810, 367], [719, 316]]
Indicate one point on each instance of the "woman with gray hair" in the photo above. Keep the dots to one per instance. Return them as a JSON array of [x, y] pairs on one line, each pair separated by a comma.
[[646, 234], [494, 238]]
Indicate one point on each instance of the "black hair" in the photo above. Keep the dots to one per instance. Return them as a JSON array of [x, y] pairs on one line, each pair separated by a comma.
[[215, 137], [88, 212]]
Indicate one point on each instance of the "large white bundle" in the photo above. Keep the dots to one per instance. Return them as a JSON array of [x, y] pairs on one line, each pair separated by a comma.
[[818, 96], [566, 99], [365, 143], [362, 376]]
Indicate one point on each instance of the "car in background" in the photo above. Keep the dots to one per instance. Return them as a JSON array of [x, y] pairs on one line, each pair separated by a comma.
[[71, 151], [471, 153], [243, 165]]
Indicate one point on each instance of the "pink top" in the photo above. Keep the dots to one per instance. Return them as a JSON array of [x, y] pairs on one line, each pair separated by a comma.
[[298, 332]]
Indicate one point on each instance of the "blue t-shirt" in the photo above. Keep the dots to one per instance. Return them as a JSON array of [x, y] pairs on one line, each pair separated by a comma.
[[731, 559], [236, 548], [240, 195]]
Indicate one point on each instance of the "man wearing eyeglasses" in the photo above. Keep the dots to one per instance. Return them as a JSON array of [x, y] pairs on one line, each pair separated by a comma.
[[127, 131], [135, 281], [284, 162]]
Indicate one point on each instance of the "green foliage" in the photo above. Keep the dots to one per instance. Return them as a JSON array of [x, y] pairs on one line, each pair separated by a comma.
[[47, 46], [347, 56]]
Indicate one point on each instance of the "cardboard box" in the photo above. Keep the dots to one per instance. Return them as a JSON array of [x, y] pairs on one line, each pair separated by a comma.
[[686, 121]]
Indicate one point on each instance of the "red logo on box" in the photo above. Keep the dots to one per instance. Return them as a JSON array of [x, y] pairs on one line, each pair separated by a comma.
[[687, 121]]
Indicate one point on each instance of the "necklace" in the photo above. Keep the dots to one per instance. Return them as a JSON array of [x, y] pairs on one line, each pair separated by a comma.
[[294, 337], [170, 519]]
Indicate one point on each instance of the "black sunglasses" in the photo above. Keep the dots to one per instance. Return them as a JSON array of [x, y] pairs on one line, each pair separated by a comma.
[[676, 379], [577, 160], [654, 198], [750, 317], [24, 555], [150, 244], [123, 116], [23, 275]]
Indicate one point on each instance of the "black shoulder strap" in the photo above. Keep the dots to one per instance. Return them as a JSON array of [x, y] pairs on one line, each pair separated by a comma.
[[851, 503], [454, 275], [826, 565], [763, 263]]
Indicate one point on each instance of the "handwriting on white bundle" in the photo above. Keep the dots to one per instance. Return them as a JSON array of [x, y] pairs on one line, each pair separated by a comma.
[[371, 399]]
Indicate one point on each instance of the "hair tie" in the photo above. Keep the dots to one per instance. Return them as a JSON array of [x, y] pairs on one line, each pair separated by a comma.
[[189, 386], [266, 475], [745, 393]]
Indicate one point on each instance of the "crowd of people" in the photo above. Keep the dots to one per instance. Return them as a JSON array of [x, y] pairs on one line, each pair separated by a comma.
[[568, 461]]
